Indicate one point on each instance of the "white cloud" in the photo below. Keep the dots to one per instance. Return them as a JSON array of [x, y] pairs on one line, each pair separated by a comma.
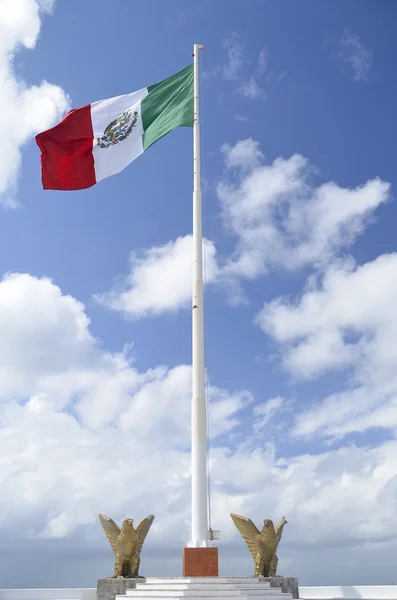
[[356, 55], [160, 279], [24, 110], [265, 412], [269, 408], [262, 61], [351, 411], [236, 68], [236, 58], [59, 386], [245, 154], [36, 320], [87, 432], [251, 89], [281, 218], [308, 486], [47, 6], [346, 321], [352, 308]]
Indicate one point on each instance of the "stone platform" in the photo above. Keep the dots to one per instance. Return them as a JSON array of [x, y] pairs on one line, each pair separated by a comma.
[[206, 588], [287, 584], [108, 588]]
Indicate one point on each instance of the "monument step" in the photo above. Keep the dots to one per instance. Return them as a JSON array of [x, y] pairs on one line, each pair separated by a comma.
[[203, 592], [200, 595], [209, 580], [207, 586], [191, 588]]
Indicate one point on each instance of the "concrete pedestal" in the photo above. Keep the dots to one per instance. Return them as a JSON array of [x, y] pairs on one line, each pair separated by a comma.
[[108, 588], [200, 562], [287, 584]]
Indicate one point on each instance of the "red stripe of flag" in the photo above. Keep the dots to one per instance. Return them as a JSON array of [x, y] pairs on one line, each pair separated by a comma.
[[67, 162]]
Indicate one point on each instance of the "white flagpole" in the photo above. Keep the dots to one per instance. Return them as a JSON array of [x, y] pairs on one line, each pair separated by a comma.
[[199, 534]]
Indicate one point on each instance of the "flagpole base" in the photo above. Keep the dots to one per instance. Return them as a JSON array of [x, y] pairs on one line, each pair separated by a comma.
[[200, 562]]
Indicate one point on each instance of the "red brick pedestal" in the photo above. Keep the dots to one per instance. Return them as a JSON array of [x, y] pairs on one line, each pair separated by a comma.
[[200, 562]]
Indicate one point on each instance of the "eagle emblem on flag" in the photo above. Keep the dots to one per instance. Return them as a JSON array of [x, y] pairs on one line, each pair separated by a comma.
[[119, 129]]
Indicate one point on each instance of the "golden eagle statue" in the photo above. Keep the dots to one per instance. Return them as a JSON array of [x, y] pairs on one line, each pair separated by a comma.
[[262, 544], [126, 544]]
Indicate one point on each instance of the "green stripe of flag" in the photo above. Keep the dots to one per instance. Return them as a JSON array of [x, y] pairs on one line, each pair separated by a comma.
[[169, 104]]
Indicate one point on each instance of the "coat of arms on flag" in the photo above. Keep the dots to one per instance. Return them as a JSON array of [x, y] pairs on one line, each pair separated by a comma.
[[119, 129]]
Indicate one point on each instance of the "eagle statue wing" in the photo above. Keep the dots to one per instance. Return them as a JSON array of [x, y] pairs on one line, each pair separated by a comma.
[[142, 531], [111, 529], [280, 527], [249, 532]]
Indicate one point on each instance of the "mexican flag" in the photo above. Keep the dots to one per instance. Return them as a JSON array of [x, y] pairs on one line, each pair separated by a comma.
[[102, 138]]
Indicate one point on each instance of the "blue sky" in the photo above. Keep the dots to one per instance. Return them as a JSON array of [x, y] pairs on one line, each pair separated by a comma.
[[298, 131]]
